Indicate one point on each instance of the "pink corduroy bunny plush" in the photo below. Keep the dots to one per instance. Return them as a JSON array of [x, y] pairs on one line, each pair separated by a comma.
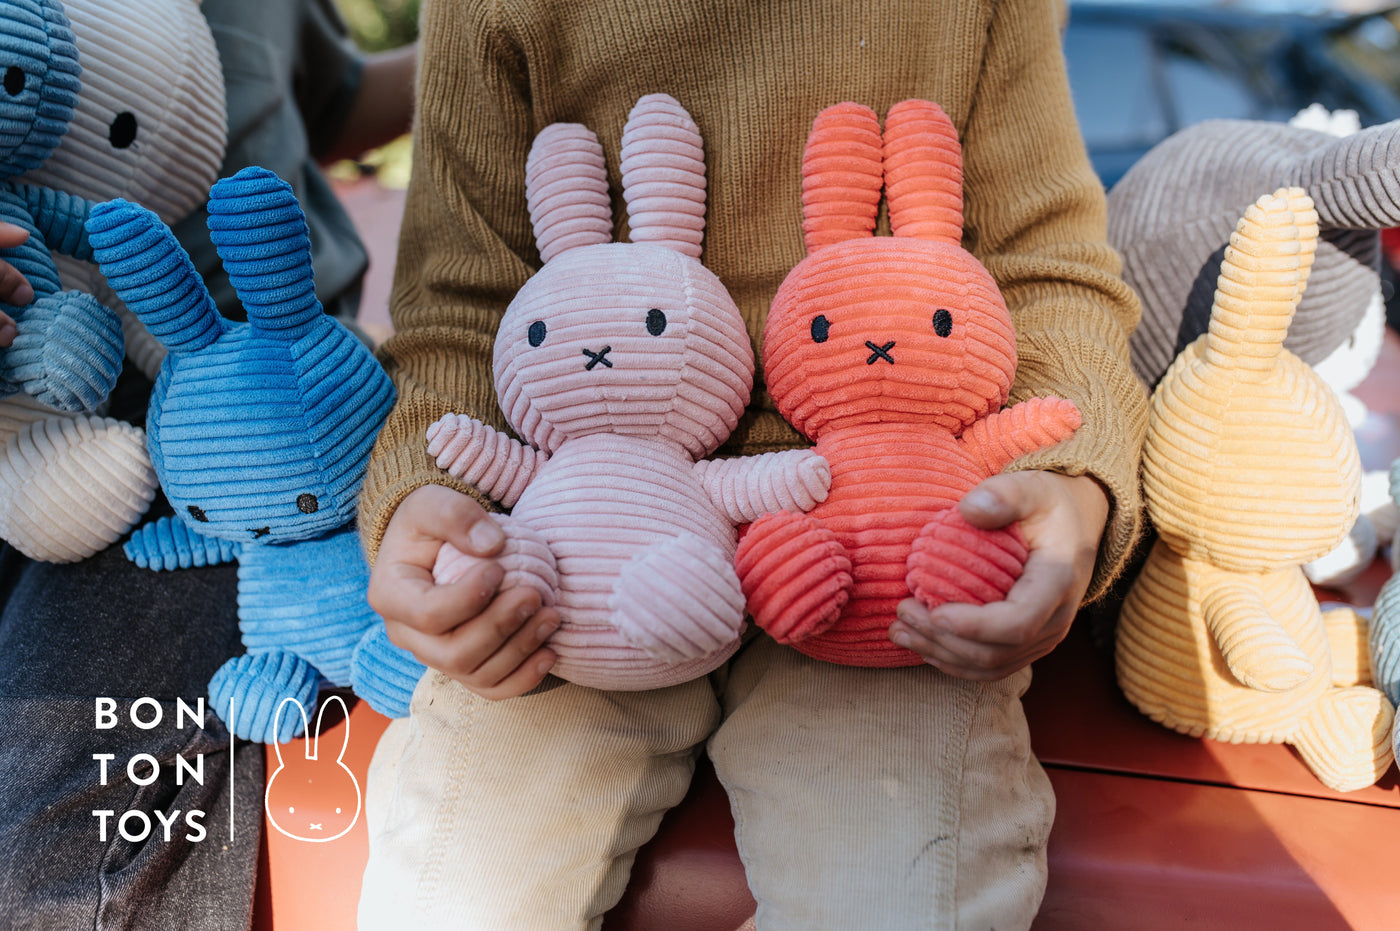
[[621, 365]]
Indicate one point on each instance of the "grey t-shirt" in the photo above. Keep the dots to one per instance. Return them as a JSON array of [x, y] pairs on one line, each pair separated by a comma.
[[291, 73]]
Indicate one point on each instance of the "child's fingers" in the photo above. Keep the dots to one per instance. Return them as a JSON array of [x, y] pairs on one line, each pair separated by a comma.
[[8, 330], [12, 234], [519, 658], [435, 514], [404, 593], [525, 677], [15, 289], [463, 651], [1001, 499], [1031, 604]]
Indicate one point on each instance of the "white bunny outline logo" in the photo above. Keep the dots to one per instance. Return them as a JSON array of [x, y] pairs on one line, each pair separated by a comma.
[[313, 746]]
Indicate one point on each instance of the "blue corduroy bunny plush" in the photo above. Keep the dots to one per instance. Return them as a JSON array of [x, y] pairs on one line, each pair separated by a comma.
[[260, 433], [68, 350]]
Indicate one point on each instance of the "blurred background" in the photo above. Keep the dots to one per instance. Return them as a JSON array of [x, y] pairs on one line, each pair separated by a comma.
[[379, 25]]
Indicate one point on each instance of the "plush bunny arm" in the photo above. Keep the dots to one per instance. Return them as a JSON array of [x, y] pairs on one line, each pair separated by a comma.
[[170, 544], [1259, 652], [748, 487], [1037, 423], [484, 457], [60, 217]]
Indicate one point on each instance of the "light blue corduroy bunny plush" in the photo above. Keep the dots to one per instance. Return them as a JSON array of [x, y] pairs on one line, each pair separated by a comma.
[[260, 433], [68, 350], [1384, 631]]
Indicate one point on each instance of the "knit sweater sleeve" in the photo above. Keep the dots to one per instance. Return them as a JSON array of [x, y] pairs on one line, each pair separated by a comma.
[[465, 248], [1036, 217]]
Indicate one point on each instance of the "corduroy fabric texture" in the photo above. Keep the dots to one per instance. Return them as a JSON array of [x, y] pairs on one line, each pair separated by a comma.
[[493, 75], [41, 83], [1383, 632], [1249, 470], [895, 354], [621, 364], [150, 125], [1172, 214], [146, 121], [259, 433]]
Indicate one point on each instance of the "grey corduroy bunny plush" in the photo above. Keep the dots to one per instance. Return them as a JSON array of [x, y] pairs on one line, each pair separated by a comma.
[[1172, 214]]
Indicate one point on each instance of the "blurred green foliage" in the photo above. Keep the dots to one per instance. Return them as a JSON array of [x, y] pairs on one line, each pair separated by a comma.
[[380, 24], [377, 25]]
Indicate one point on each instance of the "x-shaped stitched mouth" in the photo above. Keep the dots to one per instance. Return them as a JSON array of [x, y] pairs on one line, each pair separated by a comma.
[[595, 357], [880, 352]]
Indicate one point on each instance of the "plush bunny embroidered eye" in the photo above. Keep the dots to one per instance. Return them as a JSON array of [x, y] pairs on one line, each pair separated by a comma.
[[260, 433], [895, 354], [621, 365], [1249, 470]]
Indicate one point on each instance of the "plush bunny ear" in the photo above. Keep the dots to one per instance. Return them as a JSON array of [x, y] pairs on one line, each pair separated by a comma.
[[1355, 181], [566, 187], [145, 266], [841, 176], [1261, 281], [663, 175], [923, 172], [260, 233]]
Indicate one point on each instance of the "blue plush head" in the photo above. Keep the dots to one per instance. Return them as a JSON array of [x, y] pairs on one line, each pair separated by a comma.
[[38, 82], [259, 432]]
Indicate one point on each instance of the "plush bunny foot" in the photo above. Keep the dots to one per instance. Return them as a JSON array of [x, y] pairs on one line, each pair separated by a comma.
[[679, 599], [67, 353], [1348, 635], [72, 486], [795, 574], [1346, 738], [953, 561], [257, 684], [525, 557], [383, 674]]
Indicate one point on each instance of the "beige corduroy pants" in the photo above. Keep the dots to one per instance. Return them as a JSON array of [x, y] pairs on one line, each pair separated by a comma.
[[862, 798]]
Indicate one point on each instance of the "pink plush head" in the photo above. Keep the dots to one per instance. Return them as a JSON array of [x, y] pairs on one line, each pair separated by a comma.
[[634, 338]]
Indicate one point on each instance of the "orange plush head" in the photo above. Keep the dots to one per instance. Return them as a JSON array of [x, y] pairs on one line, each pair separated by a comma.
[[908, 328]]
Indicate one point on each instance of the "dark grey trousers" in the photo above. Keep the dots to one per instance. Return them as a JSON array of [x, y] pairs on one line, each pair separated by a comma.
[[102, 627]]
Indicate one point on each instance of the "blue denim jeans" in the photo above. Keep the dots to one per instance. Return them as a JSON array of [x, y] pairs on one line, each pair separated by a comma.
[[104, 628]]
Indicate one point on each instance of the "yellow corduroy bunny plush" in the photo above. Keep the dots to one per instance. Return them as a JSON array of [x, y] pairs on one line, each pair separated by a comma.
[[1249, 471]]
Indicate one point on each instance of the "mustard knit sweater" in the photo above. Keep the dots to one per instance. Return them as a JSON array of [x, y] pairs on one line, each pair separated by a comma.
[[754, 75]]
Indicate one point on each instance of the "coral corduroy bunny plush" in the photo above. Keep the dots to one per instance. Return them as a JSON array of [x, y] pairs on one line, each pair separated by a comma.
[[895, 354], [1250, 470], [621, 365], [260, 433]]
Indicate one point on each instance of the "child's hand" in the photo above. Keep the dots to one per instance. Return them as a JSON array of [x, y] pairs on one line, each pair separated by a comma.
[[487, 640], [1062, 518], [14, 287]]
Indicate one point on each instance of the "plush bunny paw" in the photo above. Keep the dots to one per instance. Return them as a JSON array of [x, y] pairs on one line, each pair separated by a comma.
[[248, 690], [73, 486], [67, 353], [383, 674], [1346, 739], [679, 600], [953, 561], [525, 557], [795, 574], [1348, 635]]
